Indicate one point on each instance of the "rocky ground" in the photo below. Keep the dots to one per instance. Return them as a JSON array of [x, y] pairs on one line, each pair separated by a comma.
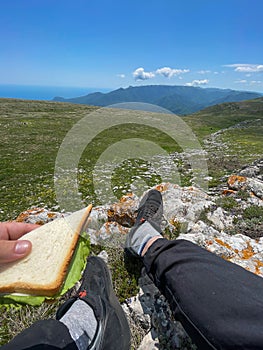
[[227, 222]]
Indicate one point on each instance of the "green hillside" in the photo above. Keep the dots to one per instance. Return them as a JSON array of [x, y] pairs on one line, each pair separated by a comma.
[[238, 127], [32, 131], [225, 115]]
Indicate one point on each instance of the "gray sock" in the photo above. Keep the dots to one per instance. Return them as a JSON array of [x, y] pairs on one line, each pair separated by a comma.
[[142, 235], [81, 323]]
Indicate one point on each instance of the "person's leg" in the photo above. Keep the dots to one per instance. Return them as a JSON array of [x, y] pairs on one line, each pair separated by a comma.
[[43, 335], [92, 320], [219, 303]]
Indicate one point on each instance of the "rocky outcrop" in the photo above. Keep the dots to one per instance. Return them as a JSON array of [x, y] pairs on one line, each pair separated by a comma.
[[254, 170], [237, 182], [212, 222]]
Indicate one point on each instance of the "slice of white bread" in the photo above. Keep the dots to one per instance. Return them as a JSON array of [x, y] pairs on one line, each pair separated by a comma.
[[43, 271]]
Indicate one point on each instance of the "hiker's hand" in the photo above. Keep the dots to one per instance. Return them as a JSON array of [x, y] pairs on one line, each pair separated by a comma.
[[10, 248]]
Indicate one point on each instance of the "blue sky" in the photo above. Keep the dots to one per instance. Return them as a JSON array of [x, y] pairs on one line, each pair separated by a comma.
[[111, 44]]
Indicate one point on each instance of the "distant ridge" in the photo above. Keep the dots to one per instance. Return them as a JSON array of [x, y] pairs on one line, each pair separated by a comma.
[[178, 99]]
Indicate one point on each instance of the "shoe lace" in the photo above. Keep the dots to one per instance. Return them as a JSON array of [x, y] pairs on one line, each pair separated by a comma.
[[150, 210]]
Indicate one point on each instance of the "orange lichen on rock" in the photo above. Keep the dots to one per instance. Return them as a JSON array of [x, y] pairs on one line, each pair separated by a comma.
[[228, 192], [109, 228], [121, 217], [162, 188], [225, 257], [236, 178], [259, 264], [51, 215], [224, 244], [126, 198], [40, 222], [123, 212], [209, 242], [23, 216], [248, 252]]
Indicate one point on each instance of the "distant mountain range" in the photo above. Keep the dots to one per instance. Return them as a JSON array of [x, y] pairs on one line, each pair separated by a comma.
[[178, 99]]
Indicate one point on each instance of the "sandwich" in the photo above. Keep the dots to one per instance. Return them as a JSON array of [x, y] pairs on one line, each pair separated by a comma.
[[44, 271]]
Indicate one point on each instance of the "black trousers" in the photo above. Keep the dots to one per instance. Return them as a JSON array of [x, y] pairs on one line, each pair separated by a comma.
[[219, 303]]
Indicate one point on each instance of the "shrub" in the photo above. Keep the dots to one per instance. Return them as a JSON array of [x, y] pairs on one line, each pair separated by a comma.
[[253, 212], [226, 203]]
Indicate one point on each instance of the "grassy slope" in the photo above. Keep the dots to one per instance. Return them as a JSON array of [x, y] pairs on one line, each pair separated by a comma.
[[242, 129], [224, 116], [32, 131]]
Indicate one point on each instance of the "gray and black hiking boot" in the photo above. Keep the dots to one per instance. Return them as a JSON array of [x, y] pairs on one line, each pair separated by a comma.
[[148, 223], [113, 331]]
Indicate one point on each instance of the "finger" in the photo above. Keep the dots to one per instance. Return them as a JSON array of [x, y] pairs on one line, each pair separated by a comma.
[[14, 250], [14, 230]]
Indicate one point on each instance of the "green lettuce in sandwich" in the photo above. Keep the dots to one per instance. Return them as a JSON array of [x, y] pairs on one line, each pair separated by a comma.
[[58, 256]]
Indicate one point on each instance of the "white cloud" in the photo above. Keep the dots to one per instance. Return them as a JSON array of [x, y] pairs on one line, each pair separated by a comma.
[[255, 82], [121, 75], [216, 73], [242, 81], [204, 71], [198, 82], [252, 82], [167, 72], [140, 74], [246, 68], [170, 72]]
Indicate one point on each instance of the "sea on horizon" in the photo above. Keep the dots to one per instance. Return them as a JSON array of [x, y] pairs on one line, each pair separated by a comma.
[[31, 92]]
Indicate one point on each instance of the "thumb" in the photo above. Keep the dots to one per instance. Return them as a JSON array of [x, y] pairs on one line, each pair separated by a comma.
[[14, 250]]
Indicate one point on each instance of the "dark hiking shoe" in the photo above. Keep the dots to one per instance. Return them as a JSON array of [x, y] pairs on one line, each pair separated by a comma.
[[148, 222], [113, 331]]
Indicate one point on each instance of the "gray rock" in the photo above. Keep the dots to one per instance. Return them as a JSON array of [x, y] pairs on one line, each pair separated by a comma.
[[236, 182], [152, 311], [220, 219], [239, 249], [104, 255], [183, 204], [255, 170], [252, 171]]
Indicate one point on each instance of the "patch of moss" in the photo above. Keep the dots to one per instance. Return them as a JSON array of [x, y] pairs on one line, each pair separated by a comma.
[[251, 224], [253, 212], [227, 203], [244, 195]]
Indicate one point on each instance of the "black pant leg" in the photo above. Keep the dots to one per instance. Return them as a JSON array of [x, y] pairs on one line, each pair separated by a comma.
[[219, 303], [43, 335]]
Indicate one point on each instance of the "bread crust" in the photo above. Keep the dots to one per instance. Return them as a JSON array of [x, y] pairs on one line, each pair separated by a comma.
[[52, 288]]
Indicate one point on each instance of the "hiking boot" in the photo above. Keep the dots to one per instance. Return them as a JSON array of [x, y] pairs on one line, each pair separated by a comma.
[[96, 290], [148, 223]]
